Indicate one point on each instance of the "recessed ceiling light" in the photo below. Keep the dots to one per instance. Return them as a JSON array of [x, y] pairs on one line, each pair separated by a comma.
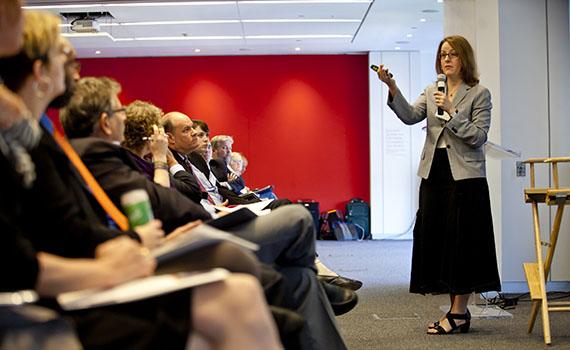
[[439, 1], [409, 35], [397, 48], [297, 49], [97, 52], [197, 50], [423, 20]]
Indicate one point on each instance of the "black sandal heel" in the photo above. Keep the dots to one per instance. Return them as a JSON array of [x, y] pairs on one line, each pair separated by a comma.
[[463, 328]]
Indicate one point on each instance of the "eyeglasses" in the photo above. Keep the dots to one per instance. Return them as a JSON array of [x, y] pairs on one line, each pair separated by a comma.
[[118, 110], [450, 55]]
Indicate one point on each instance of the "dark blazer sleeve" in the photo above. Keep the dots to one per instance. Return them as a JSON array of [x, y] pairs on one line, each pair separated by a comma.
[[116, 173], [64, 218], [187, 184], [220, 170], [19, 266], [18, 263]]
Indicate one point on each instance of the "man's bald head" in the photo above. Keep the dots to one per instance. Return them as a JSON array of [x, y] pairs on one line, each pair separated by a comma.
[[178, 127]]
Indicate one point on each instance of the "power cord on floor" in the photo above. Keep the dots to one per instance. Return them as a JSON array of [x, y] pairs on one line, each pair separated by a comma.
[[510, 301]]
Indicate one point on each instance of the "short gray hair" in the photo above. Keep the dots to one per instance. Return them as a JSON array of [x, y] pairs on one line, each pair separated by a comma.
[[219, 139]]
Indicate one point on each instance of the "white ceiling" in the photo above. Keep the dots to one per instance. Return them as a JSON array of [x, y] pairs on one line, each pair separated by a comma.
[[242, 27]]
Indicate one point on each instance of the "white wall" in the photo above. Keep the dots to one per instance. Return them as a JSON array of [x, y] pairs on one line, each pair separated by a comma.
[[395, 148]]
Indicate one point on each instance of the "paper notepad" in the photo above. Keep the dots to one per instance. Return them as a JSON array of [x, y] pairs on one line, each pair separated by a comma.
[[138, 289], [198, 237]]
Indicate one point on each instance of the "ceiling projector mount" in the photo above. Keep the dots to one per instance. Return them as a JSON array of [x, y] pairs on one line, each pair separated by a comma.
[[86, 22]]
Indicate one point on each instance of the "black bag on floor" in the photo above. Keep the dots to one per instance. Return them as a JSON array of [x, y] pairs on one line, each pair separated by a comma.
[[334, 227], [358, 214]]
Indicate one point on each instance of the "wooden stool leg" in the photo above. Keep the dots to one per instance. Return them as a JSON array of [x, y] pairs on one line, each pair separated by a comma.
[[533, 313], [542, 277], [553, 238]]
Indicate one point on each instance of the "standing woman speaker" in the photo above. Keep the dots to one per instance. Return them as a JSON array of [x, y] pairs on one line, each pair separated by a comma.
[[454, 244]]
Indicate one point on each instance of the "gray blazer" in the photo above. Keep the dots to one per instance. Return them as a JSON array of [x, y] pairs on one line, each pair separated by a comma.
[[465, 134]]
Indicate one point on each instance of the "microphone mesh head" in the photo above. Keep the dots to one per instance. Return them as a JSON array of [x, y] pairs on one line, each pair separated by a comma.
[[441, 77]]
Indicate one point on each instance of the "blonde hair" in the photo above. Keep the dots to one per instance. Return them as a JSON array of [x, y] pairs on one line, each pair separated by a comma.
[[41, 33], [466, 57]]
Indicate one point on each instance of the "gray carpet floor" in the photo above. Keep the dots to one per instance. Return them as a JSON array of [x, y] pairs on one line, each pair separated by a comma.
[[388, 317]]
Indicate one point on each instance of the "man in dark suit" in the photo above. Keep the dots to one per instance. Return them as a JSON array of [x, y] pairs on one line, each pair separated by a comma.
[[286, 236], [221, 156], [190, 153]]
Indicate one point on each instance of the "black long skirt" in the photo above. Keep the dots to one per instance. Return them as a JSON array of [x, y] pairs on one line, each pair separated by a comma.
[[454, 244]]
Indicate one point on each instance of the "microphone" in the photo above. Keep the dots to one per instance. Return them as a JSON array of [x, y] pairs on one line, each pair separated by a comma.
[[376, 68], [441, 78]]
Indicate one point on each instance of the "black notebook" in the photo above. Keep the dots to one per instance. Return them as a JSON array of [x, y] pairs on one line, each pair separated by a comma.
[[232, 219]]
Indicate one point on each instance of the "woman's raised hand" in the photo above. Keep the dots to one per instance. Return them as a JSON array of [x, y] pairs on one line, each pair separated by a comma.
[[386, 77], [158, 144]]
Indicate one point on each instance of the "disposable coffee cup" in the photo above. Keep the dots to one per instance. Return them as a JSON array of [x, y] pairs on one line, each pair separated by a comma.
[[137, 207]]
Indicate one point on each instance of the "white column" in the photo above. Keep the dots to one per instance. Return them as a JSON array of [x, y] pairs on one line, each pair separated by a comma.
[[395, 148]]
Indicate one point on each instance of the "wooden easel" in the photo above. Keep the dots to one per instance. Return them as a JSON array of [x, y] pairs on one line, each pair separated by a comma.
[[537, 272]]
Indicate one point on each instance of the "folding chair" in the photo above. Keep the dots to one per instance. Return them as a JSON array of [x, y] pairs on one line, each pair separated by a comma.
[[537, 272]]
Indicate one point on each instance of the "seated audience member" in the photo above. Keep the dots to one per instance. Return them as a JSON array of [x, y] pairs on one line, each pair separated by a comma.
[[220, 165], [147, 143], [286, 236], [36, 75], [12, 109], [236, 163], [202, 169], [176, 121]]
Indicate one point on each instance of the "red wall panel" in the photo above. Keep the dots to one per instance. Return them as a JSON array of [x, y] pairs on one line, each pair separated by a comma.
[[302, 121]]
